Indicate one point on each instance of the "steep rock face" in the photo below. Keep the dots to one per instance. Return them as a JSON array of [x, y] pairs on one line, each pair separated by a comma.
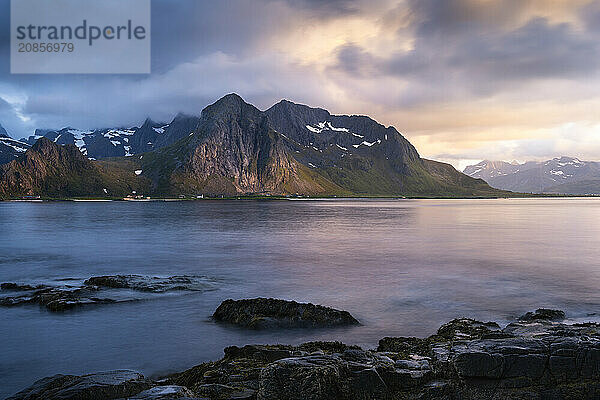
[[361, 134], [237, 143], [295, 149], [181, 126], [232, 150], [146, 136]]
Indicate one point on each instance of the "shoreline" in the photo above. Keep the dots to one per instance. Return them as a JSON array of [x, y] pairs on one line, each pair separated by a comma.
[[536, 356], [283, 198]]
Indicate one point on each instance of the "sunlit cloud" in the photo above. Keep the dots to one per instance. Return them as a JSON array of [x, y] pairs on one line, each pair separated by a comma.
[[464, 80]]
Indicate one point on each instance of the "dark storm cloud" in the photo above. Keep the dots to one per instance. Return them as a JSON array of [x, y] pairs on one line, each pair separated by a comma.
[[327, 7], [186, 29], [466, 48], [537, 50], [440, 18], [590, 14], [395, 59]]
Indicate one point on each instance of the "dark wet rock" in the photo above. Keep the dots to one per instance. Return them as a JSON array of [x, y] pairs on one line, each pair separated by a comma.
[[100, 386], [306, 378], [262, 313], [97, 290], [543, 314], [465, 359], [405, 346], [259, 352], [57, 299], [19, 288], [457, 329], [223, 392], [165, 393], [149, 283], [468, 329]]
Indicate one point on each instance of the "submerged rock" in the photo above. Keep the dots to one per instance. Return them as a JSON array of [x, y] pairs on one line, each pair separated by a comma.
[[262, 313], [19, 288], [543, 314], [56, 299], [149, 283], [101, 386], [97, 290]]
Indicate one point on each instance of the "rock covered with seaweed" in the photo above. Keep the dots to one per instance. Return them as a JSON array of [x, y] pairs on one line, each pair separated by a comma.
[[532, 358], [262, 313]]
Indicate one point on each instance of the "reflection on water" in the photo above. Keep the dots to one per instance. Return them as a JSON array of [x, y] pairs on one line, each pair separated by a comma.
[[401, 267]]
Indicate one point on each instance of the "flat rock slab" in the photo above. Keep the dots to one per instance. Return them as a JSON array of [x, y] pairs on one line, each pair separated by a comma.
[[100, 386], [60, 296], [262, 313], [152, 284], [165, 393]]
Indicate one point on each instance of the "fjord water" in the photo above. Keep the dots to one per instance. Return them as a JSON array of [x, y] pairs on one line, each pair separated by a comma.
[[402, 267]]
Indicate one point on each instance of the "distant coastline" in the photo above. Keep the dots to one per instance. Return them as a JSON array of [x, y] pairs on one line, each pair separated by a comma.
[[284, 198]]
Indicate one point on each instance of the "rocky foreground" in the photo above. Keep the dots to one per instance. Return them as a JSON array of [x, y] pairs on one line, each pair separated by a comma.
[[537, 357]]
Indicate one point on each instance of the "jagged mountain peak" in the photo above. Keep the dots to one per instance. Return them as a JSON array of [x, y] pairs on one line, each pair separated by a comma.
[[182, 115], [3, 132], [230, 105], [149, 123], [43, 143], [51, 150], [285, 104]]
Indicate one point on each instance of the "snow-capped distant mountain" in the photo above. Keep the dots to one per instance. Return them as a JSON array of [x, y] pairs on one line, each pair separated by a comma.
[[99, 143], [558, 175], [118, 142], [9, 147]]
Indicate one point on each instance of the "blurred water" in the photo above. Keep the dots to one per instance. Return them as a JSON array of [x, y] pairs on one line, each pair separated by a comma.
[[401, 267]]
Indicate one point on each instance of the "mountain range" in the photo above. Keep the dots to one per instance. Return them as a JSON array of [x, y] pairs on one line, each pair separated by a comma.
[[233, 148], [561, 175]]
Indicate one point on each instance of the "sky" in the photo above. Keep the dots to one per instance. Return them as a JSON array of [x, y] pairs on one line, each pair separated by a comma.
[[463, 80]]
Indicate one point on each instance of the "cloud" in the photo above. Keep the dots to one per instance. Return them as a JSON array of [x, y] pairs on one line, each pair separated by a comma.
[[458, 77], [189, 87], [459, 53]]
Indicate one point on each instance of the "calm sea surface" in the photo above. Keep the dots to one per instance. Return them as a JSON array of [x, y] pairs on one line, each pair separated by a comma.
[[401, 267]]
